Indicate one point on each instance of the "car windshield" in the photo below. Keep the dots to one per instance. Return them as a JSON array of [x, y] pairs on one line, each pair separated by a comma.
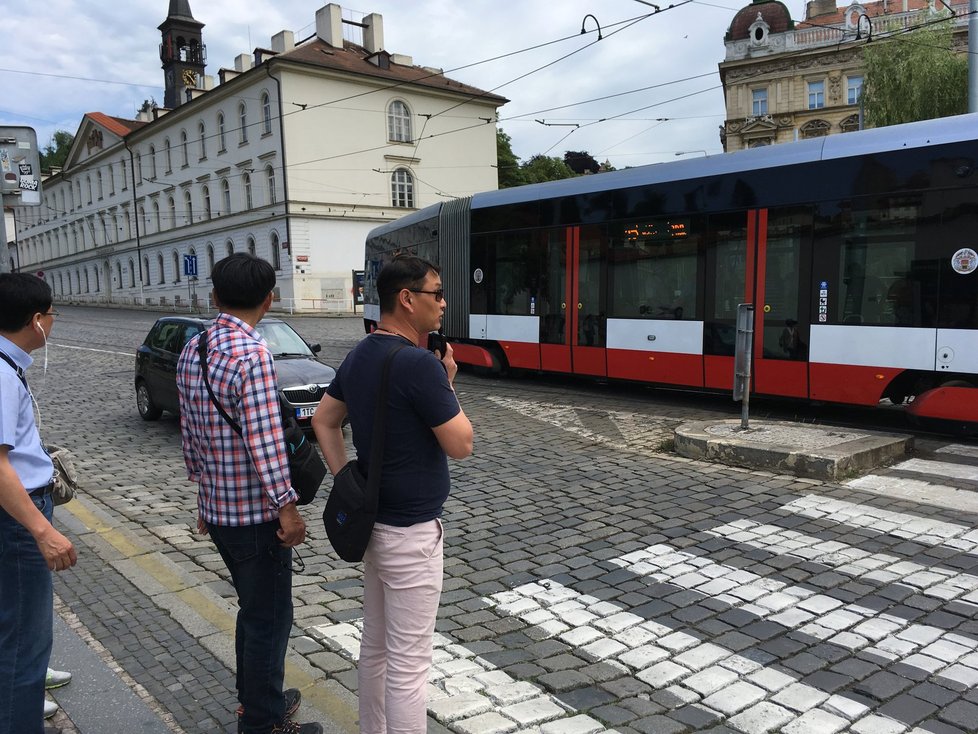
[[282, 339]]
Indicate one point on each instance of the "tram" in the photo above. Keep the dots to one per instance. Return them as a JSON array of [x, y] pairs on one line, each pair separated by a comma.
[[858, 252]]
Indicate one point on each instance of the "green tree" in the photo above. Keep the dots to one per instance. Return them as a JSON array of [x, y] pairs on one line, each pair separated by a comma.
[[56, 152], [507, 163], [545, 168], [913, 77], [580, 161]]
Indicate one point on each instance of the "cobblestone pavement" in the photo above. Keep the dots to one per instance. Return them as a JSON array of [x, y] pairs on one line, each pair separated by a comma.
[[594, 581]]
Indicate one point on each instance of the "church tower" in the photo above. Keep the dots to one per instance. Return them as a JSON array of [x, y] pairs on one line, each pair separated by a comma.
[[182, 52]]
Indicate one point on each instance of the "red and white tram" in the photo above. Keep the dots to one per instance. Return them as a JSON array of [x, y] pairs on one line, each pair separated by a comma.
[[857, 250]]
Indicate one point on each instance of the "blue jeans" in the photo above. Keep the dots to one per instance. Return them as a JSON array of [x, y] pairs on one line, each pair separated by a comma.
[[261, 572], [26, 619]]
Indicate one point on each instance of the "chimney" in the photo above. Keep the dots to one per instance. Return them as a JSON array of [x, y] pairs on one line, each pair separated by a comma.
[[242, 62], [283, 41], [373, 33], [329, 25]]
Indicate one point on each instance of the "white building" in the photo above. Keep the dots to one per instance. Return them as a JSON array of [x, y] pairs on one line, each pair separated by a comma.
[[294, 155]]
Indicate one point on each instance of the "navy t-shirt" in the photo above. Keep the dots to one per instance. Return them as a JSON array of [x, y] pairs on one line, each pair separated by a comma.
[[415, 481]]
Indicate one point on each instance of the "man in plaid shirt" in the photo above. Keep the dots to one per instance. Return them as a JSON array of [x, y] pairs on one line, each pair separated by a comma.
[[245, 499]]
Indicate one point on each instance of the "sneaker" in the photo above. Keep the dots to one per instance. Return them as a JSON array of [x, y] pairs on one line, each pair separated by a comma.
[[294, 727], [50, 708], [293, 697], [56, 679]]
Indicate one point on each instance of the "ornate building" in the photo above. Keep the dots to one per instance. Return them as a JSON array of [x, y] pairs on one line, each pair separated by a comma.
[[260, 160], [785, 81]]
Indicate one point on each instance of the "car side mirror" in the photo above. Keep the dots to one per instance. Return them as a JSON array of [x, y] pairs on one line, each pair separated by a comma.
[[316, 349]]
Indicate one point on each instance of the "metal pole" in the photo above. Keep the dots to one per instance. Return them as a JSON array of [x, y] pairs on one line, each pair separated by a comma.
[[972, 51], [4, 252]]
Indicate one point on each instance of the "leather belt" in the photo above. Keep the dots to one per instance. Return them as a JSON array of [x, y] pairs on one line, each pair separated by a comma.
[[41, 491]]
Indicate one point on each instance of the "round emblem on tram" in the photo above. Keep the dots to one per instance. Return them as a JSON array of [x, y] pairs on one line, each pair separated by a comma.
[[964, 261], [477, 276]]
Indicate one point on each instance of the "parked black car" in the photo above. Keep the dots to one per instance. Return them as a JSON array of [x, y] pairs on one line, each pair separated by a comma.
[[302, 377]]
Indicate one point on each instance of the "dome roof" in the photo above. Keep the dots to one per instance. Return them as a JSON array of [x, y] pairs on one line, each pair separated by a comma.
[[774, 13]]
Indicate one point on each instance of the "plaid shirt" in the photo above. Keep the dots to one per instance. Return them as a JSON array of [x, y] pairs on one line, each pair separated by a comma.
[[243, 480]]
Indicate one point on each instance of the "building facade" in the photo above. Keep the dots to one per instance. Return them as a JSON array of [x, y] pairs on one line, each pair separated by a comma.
[[294, 155], [785, 81]]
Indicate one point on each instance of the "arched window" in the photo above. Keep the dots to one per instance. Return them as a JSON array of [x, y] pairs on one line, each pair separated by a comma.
[[152, 162], [402, 188], [229, 247], [88, 283], [139, 168], [276, 251], [188, 203], [176, 266], [124, 176], [249, 200], [203, 140], [167, 157], [270, 178], [252, 250], [98, 184], [206, 193], [111, 181], [243, 122], [156, 216], [144, 219], [398, 122], [266, 115], [226, 196], [128, 226], [132, 273], [116, 232], [88, 185], [221, 136], [183, 148], [172, 206], [159, 264], [145, 274], [98, 285], [118, 273], [210, 259]]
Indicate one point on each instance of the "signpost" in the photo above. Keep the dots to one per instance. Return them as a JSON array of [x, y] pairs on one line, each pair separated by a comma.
[[190, 271], [742, 359], [20, 176]]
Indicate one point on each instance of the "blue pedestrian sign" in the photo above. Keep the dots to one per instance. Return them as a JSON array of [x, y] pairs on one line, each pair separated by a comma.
[[190, 265]]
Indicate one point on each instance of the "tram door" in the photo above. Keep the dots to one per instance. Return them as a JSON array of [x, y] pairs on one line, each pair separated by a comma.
[[782, 315], [573, 339]]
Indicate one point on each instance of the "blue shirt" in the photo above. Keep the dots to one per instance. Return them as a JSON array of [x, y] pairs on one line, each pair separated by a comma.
[[18, 430], [415, 481]]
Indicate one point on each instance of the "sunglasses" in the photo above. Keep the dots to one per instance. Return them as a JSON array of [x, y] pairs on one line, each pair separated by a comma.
[[438, 294]]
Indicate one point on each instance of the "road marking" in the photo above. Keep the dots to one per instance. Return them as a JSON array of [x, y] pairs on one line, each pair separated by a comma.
[[959, 449], [92, 349], [939, 469], [915, 490]]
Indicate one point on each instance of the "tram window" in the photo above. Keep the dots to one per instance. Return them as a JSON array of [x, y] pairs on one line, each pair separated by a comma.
[[653, 269], [731, 268], [522, 274], [785, 326], [959, 290]]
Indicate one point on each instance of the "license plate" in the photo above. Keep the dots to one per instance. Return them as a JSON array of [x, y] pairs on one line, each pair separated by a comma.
[[305, 412]]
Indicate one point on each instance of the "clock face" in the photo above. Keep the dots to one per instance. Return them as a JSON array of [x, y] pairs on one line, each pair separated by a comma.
[[189, 78]]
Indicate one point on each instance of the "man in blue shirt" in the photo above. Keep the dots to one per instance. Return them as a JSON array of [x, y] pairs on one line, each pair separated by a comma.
[[403, 563], [30, 547]]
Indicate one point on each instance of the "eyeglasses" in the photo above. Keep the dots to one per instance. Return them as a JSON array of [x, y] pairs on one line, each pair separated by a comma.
[[438, 294], [52, 312]]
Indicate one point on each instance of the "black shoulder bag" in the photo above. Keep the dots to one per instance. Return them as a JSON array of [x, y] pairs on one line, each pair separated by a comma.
[[351, 508], [305, 465]]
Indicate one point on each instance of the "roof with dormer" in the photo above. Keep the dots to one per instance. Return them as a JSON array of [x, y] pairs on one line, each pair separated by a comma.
[[772, 12]]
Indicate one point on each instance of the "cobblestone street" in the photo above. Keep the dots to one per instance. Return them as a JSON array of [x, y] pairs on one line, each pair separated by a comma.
[[594, 580]]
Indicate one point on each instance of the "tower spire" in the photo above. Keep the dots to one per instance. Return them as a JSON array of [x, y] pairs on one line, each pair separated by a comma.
[[182, 52]]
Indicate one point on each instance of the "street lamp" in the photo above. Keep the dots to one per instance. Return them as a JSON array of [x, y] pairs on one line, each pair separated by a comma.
[[688, 152]]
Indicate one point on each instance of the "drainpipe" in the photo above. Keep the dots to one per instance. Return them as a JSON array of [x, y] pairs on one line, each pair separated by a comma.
[[285, 178]]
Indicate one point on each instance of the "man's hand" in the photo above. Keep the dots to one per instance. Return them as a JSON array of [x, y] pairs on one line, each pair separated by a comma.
[[56, 549], [293, 527], [449, 361], [202, 526]]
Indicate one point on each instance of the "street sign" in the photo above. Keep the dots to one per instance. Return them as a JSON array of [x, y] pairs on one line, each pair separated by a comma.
[[190, 265]]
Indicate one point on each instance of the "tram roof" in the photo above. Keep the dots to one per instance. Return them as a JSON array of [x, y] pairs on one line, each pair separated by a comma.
[[864, 142]]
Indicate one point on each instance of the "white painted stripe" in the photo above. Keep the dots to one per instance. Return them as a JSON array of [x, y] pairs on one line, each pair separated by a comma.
[[462, 686], [824, 617], [513, 328], [939, 469], [92, 349], [960, 449], [873, 346], [881, 568], [959, 500], [923, 530], [656, 335]]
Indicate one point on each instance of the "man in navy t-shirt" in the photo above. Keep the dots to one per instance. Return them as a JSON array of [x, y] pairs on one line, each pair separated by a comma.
[[403, 563]]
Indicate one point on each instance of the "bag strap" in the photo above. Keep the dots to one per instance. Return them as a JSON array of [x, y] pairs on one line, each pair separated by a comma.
[[16, 368], [380, 433], [202, 351]]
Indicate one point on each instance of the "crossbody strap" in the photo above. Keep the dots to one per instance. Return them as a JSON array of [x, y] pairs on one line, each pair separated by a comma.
[[202, 351], [380, 432], [20, 373]]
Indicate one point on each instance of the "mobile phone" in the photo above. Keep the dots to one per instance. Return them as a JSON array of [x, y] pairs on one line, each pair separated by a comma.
[[436, 343]]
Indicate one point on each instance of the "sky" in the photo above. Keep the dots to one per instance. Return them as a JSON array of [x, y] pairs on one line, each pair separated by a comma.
[[63, 58]]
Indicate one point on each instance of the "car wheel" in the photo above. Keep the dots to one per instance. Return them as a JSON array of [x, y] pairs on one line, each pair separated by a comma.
[[148, 410]]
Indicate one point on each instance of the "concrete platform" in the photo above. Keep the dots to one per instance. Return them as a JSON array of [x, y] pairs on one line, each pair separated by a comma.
[[815, 452]]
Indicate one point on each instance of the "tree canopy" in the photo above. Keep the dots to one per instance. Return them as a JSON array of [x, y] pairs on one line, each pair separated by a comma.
[[507, 164], [55, 153], [915, 77]]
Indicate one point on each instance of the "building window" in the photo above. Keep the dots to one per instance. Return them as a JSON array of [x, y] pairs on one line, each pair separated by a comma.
[[226, 196], [266, 115], [132, 273], [159, 264], [276, 251], [398, 122], [221, 136], [854, 88], [167, 156], [203, 141], [98, 183], [270, 177], [246, 181], [176, 266], [402, 188], [816, 95], [111, 181], [145, 274], [139, 168], [183, 148], [243, 122], [172, 205], [206, 192], [156, 216], [758, 102], [188, 203], [88, 185], [210, 259], [252, 250], [229, 247], [125, 178], [815, 129]]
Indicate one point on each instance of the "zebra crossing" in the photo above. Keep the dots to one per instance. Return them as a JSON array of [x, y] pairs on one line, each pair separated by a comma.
[[789, 626]]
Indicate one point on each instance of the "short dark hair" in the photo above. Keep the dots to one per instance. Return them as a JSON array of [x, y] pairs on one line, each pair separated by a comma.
[[404, 271], [242, 280], [21, 296]]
